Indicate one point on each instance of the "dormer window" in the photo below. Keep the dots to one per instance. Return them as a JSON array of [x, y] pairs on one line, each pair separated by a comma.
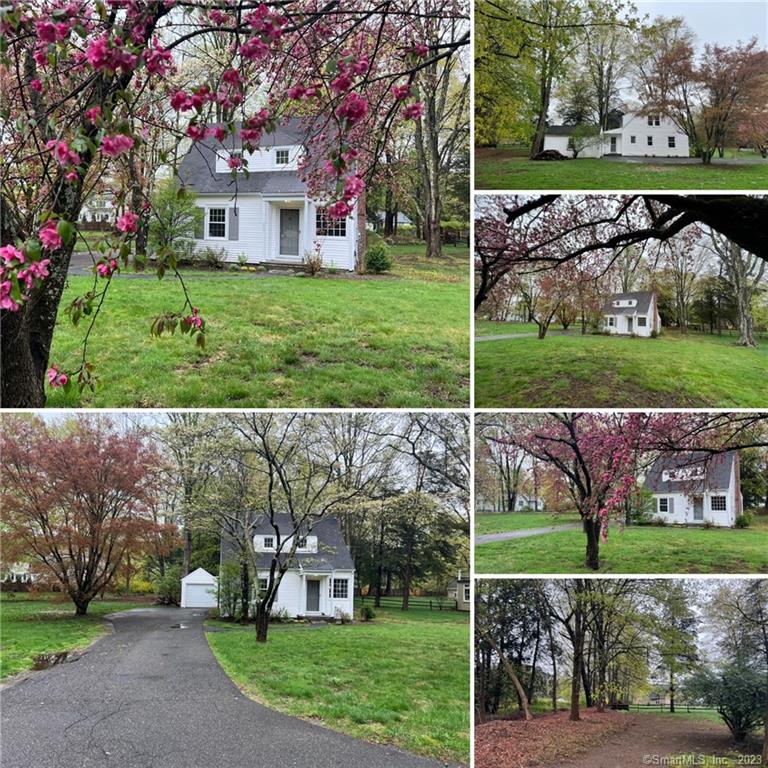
[[269, 542], [281, 156], [302, 544], [683, 474], [654, 120]]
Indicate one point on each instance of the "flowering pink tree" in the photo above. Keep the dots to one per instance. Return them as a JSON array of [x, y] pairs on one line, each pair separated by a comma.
[[75, 77], [594, 457]]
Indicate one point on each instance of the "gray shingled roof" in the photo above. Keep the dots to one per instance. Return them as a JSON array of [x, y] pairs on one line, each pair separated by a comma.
[[718, 472], [643, 299], [559, 130], [197, 169], [332, 553]]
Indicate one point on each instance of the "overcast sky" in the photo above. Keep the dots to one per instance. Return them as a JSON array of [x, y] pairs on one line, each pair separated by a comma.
[[715, 21]]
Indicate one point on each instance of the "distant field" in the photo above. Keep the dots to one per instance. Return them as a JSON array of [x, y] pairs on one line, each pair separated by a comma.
[[519, 521], [500, 168], [601, 371], [646, 549]]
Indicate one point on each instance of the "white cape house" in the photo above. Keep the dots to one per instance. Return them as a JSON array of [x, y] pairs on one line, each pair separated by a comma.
[[319, 581], [632, 313], [265, 216], [633, 135], [697, 488]]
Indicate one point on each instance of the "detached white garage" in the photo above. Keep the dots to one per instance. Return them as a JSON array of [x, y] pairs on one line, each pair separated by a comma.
[[198, 590]]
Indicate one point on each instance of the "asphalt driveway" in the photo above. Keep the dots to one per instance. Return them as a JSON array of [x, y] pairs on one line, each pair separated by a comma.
[[152, 696], [525, 533]]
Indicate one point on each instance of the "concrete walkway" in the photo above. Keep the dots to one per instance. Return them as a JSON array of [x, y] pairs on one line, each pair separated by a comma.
[[152, 695], [524, 534]]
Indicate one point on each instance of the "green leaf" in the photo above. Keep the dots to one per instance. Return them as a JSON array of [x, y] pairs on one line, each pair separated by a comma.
[[66, 230]]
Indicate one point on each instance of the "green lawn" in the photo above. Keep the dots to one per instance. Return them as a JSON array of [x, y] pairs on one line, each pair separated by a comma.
[[402, 679], [36, 624], [492, 328], [646, 549], [392, 341], [695, 370], [502, 169], [519, 521]]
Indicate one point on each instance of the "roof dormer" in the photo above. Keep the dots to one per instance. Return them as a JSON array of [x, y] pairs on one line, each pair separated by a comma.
[[683, 474], [625, 302], [267, 542]]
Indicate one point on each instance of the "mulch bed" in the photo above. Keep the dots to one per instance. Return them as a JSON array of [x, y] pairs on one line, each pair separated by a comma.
[[547, 739]]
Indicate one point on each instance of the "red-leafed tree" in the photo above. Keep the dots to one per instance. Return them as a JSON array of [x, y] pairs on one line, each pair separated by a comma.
[[76, 498], [80, 82]]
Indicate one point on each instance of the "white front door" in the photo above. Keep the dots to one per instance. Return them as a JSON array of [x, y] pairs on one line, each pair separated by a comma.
[[613, 145], [630, 326], [698, 508], [289, 232], [313, 596]]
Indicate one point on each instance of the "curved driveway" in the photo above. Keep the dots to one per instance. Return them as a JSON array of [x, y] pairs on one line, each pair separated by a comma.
[[151, 696]]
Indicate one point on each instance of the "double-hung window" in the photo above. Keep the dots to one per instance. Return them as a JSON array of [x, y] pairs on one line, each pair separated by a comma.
[[217, 223]]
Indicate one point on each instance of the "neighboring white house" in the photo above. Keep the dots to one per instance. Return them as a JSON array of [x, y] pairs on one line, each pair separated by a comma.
[[697, 488], [99, 208], [199, 590], [632, 313], [271, 219], [636, 136], [460, 589], [320, 580], [525, 502]]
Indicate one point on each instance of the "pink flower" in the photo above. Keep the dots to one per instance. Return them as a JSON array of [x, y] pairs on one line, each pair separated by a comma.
[[61, 151], [360, 67], [6, 302], [341, 83], [421, 50], [159, 61], [254, 49], [234, 161], [49, 32], [49, 236], [109, 55], [353, 109], [353, 187], [413, 111], [106, 268], [127, 222], [111, 146], [57, 378], [296, 91], [338, 210], [8, 254], [194, 320], [36, 85], [180, 101], [93, 114], [401, 92], [217, 132], [196, 132]]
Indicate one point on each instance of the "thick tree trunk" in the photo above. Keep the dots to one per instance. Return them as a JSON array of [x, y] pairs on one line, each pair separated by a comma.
[[671, 691], [262, 624], [406, 584], [592, 529], [81, 602]]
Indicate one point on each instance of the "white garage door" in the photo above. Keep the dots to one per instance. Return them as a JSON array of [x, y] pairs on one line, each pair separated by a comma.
[[200, 596]]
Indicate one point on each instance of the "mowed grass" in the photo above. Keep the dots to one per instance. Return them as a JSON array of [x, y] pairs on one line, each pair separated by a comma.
[[402, 679], [674, 370], [642, 549], [390, 341], [502, 169], [519, 521], [492, 328], [41, 624]]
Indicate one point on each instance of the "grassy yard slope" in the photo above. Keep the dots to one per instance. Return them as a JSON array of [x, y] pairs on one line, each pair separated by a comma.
[[37, 624], [402, 679], [396, 341], [492, 328], [500, 169], [647, 549], [519, 521], [596, 371]]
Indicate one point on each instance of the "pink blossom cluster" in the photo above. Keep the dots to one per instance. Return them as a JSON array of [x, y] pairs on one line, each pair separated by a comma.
[[56, 377], [127, 222], [51, 32], [49, 236], [254, 127], [158, 60], [64, 156], [14, 267], [110, 55], [194, 320], [106, 268], [111, 146], [353, 109], [413, 111], [183, 102]]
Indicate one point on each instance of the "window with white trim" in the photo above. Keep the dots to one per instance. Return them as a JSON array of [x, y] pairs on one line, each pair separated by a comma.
[[302, 543], [633, 139], [718, 504], [654, 120], [641, 322], [327, 227], [269, 542], [340, 589], [663, 505], [650, 141], [282, 156], [611, 322], [671, 142], [217, 223], [467, 593], [262, 584]]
